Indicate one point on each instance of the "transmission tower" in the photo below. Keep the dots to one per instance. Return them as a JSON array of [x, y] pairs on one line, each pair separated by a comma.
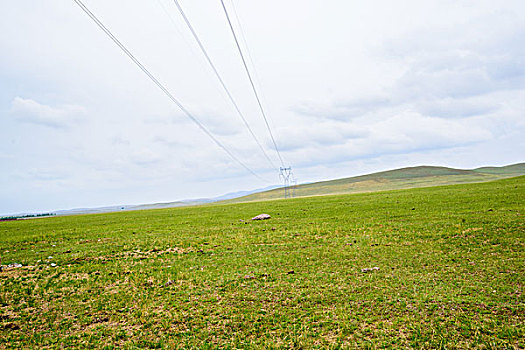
[[286, 176]]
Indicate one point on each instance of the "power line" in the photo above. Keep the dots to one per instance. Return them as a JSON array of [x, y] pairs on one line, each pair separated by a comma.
[[245, 42], [201, 46], [190, 47], [160, 86], [251, 82]]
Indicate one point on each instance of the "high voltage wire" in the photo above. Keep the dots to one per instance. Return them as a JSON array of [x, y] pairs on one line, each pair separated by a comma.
[[190, 47], [251, 82], [160, 86], [205, 53], [245, 42]]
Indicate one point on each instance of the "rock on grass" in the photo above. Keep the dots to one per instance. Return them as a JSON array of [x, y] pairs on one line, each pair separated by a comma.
[[261, 217], [370, 269]]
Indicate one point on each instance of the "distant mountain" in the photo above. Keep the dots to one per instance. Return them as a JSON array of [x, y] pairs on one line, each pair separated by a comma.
[[110, 209], [419, 176], [186, 202], [514, 169], [243, 193]]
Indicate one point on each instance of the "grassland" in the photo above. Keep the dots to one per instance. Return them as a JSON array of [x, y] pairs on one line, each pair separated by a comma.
[[450, 259], [404, 178]]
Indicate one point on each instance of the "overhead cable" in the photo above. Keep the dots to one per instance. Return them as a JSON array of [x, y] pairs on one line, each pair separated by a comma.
[[251, 82], [245, 42], [161, 87], [205, 53]]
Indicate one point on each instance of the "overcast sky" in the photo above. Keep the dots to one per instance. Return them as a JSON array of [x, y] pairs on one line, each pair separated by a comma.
[[350, 87]]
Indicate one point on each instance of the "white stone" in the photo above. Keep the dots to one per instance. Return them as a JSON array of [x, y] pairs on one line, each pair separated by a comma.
[[261, 217]]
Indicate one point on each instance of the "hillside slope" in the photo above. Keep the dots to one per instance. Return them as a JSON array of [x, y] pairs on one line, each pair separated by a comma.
[[404, 178]]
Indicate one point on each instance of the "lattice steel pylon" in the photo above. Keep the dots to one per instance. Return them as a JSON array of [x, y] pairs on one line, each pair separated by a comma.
[[286, 176]]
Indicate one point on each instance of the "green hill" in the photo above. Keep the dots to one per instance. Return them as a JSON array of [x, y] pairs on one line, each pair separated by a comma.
[[514, 169], [404, 178]]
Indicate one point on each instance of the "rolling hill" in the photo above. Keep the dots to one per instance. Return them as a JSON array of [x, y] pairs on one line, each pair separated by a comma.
[[411, 177]]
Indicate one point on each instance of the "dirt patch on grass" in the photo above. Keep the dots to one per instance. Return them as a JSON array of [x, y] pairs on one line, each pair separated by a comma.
[[74, 276]]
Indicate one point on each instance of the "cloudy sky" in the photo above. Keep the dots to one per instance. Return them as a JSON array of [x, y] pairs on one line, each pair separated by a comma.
[[350, 87]]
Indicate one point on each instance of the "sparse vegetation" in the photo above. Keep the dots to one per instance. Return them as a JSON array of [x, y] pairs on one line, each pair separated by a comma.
[[449, 274], [26, 216]]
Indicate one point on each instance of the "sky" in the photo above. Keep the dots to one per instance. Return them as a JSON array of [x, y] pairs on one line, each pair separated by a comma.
[[349, 88]]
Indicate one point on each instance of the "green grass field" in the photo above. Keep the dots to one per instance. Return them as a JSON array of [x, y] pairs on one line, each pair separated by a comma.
[[450, 259]]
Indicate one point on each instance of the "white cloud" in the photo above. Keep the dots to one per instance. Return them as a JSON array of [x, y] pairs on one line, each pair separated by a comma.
[[30, 111], [343, 110], [314, 133], [480, 56], [404, 132], [457, 108]]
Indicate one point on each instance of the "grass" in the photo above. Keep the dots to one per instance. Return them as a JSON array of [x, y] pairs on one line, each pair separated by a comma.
[[450, 259]]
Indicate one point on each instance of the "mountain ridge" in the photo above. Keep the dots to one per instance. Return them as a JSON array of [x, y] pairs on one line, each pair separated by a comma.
[[401, 178]]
